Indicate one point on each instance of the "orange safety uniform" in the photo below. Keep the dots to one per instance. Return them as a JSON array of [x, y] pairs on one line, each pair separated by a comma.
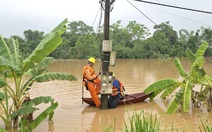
[[117, 88], [92, 85]]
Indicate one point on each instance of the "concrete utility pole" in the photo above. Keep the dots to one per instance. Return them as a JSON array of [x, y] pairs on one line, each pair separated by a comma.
[[106, 77], [107, 20]]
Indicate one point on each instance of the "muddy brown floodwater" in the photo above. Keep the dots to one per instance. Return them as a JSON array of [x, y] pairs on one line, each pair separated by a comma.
[[74, 116]]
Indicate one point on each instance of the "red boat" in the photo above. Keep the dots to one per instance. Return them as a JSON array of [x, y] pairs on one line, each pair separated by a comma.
[[129, 98]]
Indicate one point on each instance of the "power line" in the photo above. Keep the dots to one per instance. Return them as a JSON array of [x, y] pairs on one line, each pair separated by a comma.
[[100, 17], [183, 17], [142, 12], [207, 12], [100, 20], [171, 14], [96, 16]]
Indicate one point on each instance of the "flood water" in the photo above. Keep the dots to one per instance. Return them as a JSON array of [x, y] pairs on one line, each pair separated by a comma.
[[74, 116]]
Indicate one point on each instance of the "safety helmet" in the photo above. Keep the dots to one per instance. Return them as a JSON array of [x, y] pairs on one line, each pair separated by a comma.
[[91, 59]]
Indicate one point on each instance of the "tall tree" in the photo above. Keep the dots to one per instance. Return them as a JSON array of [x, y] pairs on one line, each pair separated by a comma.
[[32, 39], [87, 46], [168, 31], [74, 31], [166, 37]]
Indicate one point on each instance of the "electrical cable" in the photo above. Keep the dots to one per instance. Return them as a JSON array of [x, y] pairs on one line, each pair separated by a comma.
[[112, 3], [142, 12], [183, 17], [100, 21], [171, 14], [102, 5], [175, 6], [96, 17]]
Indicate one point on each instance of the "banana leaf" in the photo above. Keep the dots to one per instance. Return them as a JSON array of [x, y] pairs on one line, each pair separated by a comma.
[[35, 72], [201, 49], [170, 90], [16, 54], [161, 85], [208, 81], [4, 49], [198, 62], [3, 130], [42, 116], [191, 56], [46, 62], [1, 96], [40, 67], [179, 67], [205, 81], [197, 72], [50, 42], [54, 76], [187, 97], [38, 100], [51, 116], [5, 63], [23, 110], [27, 85], [174, 105], [9, 56], [2, 82]]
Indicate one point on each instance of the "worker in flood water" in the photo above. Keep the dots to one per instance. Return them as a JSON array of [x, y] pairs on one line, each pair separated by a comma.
[[117, 93], [91, 81]]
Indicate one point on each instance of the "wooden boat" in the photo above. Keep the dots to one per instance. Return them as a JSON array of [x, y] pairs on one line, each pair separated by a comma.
[[129, 98]]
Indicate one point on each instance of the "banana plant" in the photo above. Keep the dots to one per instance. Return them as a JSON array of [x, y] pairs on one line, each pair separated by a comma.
[[23, 72], [2, 130], [182, 91]]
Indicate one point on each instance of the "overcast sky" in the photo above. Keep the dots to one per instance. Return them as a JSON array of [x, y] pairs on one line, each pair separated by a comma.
[[17, 16]]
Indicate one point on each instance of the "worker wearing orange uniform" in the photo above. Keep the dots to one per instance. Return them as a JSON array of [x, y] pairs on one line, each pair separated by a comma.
[[91, 81], [117, 93]]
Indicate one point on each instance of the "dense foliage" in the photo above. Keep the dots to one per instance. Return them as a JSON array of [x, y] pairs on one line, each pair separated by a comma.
[[132, 41]]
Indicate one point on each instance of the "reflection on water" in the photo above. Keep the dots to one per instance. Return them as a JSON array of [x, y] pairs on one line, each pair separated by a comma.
[[136, 75]]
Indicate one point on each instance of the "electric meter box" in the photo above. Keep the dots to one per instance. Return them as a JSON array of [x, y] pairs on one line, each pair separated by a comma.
[[106, 84], [112, 58], [106, 46]]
